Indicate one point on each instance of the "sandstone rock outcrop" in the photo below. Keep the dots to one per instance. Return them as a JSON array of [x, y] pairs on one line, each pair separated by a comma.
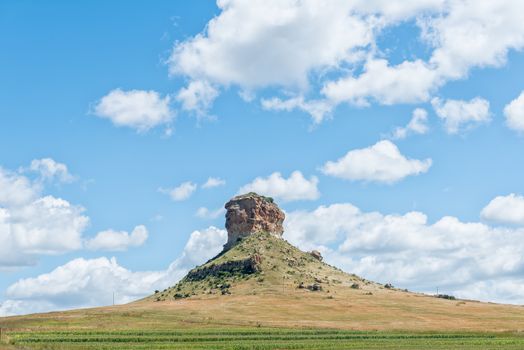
[[245, 266], [316, 254], [250, 213]]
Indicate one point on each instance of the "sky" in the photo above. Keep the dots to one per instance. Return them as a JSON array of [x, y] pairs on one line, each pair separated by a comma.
[[390, 132]]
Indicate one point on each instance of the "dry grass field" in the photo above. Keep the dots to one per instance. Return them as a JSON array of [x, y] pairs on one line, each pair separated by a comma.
[[274, 306]]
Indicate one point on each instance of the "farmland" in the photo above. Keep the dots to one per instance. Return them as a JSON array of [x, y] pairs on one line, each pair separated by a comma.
[[258, 338]]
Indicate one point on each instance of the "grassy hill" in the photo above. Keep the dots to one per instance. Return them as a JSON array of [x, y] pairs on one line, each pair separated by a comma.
[[264, 284], [263, 264]]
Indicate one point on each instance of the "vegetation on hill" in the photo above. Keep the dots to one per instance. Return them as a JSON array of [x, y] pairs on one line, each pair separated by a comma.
[[259, 264]]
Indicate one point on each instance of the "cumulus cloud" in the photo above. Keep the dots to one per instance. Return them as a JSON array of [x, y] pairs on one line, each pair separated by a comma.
[[470, 34], [408, 82], [417, 125], [137, 109], [408, 251], [80, 283], [197, 96], [306, 40], [181, 192], [32, 224], [300, 37], [205, 213], [214, 182], [91, 282], [381, 162], [16, 190], [118, 240], [201, 246], [459, 114], [514, 113], [294, 188], [318, 109], [505, 209], [49, 169]]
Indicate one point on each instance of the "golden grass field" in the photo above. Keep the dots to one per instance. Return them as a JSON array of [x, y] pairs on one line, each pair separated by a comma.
[[350, 310], [271, 299]]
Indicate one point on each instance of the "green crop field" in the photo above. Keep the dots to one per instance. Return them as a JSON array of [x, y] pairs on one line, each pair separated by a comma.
[[257, 338]]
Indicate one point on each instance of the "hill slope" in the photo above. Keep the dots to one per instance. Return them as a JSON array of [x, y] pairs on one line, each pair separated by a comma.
[[264, 264], [265, 281]]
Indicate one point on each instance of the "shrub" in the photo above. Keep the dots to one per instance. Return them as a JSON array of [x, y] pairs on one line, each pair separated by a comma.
[[445, 296]]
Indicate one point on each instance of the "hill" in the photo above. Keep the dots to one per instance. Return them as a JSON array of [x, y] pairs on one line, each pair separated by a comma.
[[259, 281], [264, 281], [263, 264]]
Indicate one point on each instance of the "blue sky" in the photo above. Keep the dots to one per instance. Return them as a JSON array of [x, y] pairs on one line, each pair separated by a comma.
[[110, 106]]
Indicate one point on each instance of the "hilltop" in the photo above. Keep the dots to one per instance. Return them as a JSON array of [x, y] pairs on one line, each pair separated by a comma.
[[256, 260]]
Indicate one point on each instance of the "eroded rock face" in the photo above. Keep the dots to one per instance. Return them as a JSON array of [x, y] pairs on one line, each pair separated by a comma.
[[316, 254], [250, 213], [246, 266]]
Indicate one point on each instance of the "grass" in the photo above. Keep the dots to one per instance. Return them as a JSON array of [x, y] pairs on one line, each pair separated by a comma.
[[258, 338]]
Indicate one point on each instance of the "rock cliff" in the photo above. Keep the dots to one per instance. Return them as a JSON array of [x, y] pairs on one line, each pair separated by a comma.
[[251, 213]]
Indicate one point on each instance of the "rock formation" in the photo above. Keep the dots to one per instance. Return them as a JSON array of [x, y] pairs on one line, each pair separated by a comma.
[[316, 254], [250, 213]]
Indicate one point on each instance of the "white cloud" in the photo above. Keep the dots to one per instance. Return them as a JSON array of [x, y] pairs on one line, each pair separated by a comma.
[[91, 282], [381, 162], [305, 42], [417, 125], [205, 213], [458, 257], [463, 33], [81, 283], [294, 188], [197, 96], [294, 37], [181, 192], [16, 190], [408, 82], [49, 169], [47, 225], [32, 224], [214, 182], [505, 209], [473, 34], [201, 246], [514, 113], [318, 109], [118, 240], [137, 109], [458, 114]]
